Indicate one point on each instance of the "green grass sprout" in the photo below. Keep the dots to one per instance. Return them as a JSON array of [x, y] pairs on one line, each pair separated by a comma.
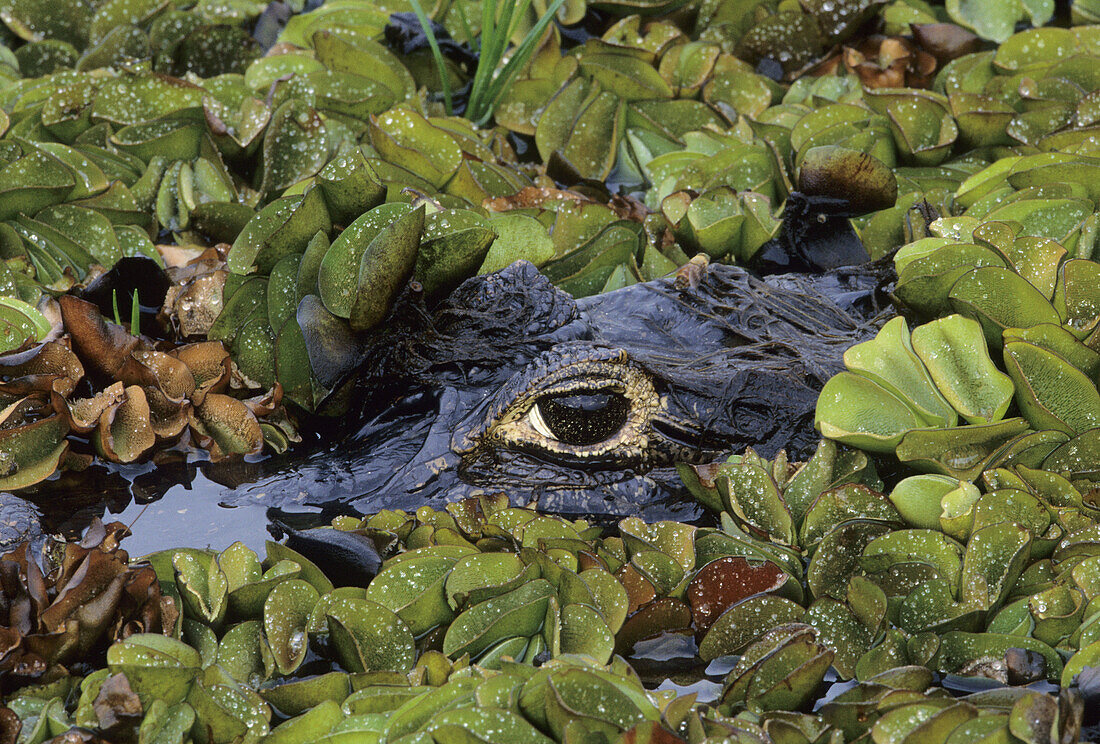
[[436, 54], [499, 22], [135, 315]]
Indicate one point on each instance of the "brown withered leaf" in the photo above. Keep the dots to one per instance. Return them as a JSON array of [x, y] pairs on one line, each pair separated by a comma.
[[707, 472], [105, 347], [21, 411], [266, 403], [182, 256], [587, 560], [209, 364], [48, 366], [92, 598], [118, 709], [41, 385], [650, 732], [945, 41], [628, 208], [169, 399], [664, 615], [84, 413], [194, 306], [225, 426], [194, 300], [84, 610], [79, 736], [534, 196], [723, 582], [10, 726], [639, 590], [125, 431], [890, 62], [168, 417], [173, 377]]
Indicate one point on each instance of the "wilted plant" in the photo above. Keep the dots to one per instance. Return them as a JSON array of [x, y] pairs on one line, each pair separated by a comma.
[[50, 620]]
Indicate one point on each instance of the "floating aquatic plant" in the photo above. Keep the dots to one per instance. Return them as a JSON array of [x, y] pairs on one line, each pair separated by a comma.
[[305, 182], [498, 586]]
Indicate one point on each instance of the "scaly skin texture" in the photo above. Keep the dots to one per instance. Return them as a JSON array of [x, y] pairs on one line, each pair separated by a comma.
[[712, 361], [18, 521]]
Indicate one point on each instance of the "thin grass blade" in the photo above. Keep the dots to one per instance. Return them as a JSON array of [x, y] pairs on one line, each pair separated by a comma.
[[437, 55], [485, 64], [135, 315], [519, 59]]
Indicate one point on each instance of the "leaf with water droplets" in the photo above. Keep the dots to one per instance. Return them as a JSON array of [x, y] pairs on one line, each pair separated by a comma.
[[997, 21], [781, 670], [751, 494], [483, 576], [403, 136], [286, 614], [917, 498], [859, 412], [454, 244], [961, 452], [300, 695], [296, 146], [414, 589], [519, 612], [849, 501], [486, 724], [582, 125], [957, 649], [1051, 393], [953, 351], [385, 268], [836, 558], [283, 227], [584, 631], [745, 621], [338, 276], [580, 695], [891, 362], [995, 556], [369, 637], [157, 667]]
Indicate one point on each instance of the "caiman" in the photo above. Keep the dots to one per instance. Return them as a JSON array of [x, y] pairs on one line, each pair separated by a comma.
[[584, 406], [579, 406]]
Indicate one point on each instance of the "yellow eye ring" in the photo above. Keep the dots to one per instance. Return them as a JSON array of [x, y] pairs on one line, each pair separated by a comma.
[[592, 407]]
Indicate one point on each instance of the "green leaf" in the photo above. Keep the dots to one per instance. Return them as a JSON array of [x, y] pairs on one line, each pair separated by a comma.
[[954, 353], [519, 612]]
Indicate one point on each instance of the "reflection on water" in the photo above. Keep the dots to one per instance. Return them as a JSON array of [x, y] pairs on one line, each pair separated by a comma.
[[190, 516], [169, 503]]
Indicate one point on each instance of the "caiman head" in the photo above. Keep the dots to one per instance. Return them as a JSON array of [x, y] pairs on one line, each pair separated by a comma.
[[583, 406]]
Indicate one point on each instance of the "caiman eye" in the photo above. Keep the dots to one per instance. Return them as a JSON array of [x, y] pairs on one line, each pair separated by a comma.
[[580, 418], [579, 404]]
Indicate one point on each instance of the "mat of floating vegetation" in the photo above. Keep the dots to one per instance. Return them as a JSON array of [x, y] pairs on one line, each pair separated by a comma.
[[293, 168]]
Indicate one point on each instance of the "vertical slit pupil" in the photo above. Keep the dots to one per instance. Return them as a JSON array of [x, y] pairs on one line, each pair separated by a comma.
[[584, 418]]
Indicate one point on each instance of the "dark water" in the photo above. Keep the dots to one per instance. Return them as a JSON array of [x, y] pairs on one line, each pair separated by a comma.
[[167, 506], [191, 516]]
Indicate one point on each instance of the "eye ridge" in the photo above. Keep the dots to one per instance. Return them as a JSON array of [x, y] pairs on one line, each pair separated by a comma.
[[580, 418]]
